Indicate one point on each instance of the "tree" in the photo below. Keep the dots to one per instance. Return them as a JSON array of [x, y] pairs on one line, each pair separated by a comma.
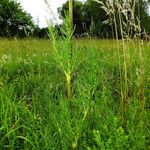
[[87, 18], [96, 16], [77, 15], [91, 18], [144, 17], [13, 20], [40, 32]]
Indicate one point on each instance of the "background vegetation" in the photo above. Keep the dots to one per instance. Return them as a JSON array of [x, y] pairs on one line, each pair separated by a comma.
[[90, 20], [14, 21]]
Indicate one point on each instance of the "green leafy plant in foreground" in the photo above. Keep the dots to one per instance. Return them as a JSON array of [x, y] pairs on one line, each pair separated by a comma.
[[64, 54]]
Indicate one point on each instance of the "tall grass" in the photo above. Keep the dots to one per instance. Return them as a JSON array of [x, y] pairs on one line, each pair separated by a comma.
[[34, 109], [123, 13]]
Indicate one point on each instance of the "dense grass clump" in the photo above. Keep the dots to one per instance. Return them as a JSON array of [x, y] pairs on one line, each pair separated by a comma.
[[34, 109]]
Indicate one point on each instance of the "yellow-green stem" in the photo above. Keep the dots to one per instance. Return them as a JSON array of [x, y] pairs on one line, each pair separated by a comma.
[[68, 80], [71, 25], [68, 75]]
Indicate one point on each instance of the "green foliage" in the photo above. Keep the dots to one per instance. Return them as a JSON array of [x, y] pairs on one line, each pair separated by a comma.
[[62, 45], [40, 32], [90, 18], [13, 20], [77, 15], [34, 112], [96, 16], [144, 15], [64, 54]]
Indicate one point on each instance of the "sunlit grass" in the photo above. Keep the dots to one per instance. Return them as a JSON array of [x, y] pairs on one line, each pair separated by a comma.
[[34, 111]]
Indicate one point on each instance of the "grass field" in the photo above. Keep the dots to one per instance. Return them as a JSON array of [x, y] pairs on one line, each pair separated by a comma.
[[110, 99]]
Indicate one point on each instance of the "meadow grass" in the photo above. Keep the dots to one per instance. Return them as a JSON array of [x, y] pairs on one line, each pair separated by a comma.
[[34, 112]]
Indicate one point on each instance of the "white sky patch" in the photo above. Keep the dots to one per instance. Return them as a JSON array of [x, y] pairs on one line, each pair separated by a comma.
[[39, 11]]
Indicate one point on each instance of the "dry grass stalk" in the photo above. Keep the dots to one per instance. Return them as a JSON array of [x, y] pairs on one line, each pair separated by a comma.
[[126, 25]]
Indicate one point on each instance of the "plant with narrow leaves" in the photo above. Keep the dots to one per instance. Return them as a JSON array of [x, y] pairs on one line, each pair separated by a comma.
[[64, 55]]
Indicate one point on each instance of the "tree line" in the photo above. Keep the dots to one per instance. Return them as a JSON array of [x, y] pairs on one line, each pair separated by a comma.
[[89, 18]]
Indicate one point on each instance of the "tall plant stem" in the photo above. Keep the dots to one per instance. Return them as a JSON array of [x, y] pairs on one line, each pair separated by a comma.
[[68, 79], [71, 24], [68, 76], [119, 61], [140, 82], [71, 14], [124, 54]]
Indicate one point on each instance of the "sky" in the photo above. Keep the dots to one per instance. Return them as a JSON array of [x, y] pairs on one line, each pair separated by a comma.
[[40, 12]]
